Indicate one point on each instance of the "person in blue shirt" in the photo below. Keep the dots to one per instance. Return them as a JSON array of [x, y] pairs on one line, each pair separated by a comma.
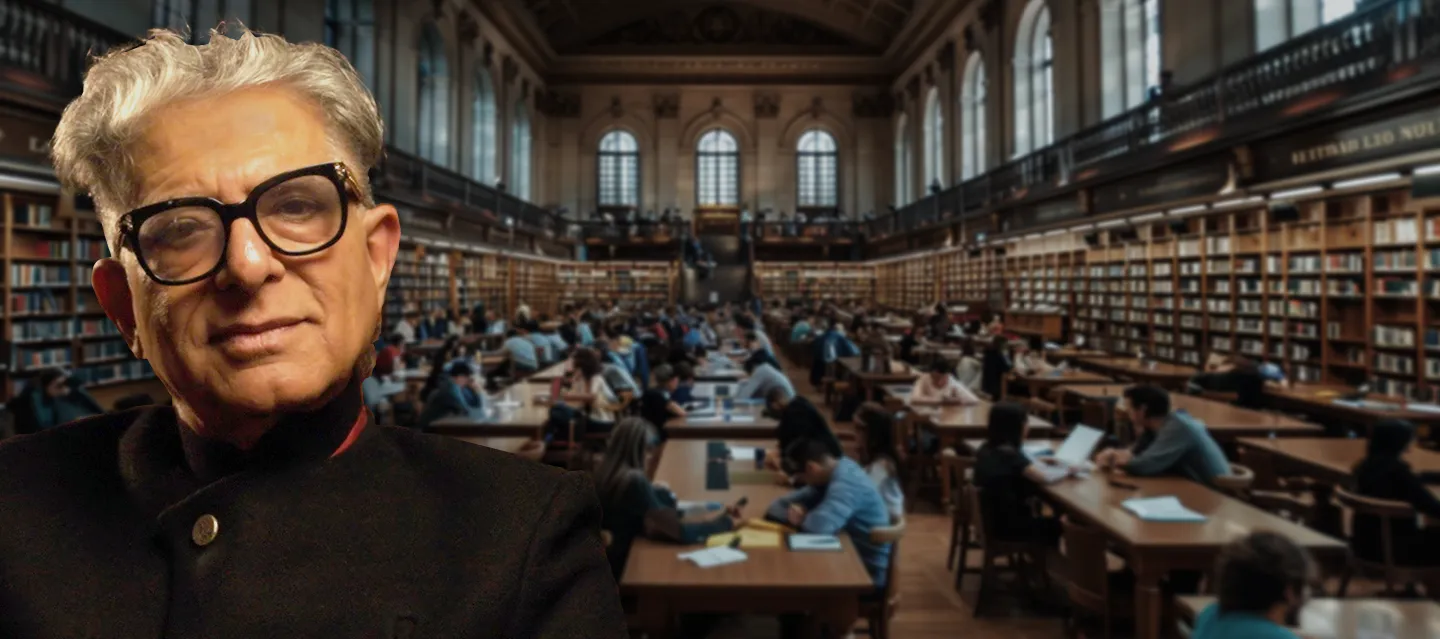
[[838, 497], [587, 336], [523, 356], [558, 346], [458, 395], [494, 325], [684, 392], [1263, 581], [544, 348], [693, 339], [801, 330]]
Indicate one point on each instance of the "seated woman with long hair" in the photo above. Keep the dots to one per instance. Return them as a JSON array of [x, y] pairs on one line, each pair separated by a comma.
[[880, 445], [589, 388], [635, 507], [1007, 479]]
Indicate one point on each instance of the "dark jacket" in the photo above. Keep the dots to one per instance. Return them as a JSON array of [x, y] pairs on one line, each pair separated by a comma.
[[625, 516], [35, 412], [450, 400], [655, 408], [994, 366], [398, 535], [1395, 481]]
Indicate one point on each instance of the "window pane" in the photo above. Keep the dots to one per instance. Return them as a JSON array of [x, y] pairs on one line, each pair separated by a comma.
[[619, 170], [717, 169], [816, 165]]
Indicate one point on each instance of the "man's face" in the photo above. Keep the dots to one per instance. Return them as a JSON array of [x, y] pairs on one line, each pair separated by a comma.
[[58, 388], [937, 378], [267, 333], [673, 384], [815, 474]]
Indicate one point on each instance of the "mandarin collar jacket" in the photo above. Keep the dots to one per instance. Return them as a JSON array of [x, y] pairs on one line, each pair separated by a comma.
[[128, 525]]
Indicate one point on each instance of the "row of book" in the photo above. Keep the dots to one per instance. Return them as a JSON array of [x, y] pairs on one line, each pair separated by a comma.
[[44, 275], [34, 214]]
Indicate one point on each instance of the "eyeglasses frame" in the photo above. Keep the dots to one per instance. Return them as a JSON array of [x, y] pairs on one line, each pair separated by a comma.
[[338, 174]]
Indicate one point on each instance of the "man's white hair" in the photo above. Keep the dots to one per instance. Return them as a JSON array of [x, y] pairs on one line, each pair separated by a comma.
[[95, 140]]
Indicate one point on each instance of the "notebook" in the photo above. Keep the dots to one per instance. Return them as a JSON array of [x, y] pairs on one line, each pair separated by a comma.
[[717, 475], [1161, 509], [808, 542], [750, 539], [712, 557]]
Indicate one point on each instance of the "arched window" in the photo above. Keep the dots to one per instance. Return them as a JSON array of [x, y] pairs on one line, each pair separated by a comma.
[[1034, 80], [618, 169], [520, 152], [817, 163], [972, 117], [934, 140], [350, 28], [902, 161], [1130, 53], [1279, 20], [484, 130], [434, 76], [717, 169]]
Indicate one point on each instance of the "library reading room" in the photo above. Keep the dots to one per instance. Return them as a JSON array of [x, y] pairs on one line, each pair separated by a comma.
[[727, 319]]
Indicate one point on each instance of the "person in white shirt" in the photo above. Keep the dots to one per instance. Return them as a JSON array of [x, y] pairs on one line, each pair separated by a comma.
[[969, 370], [1030, 360], [588, 387], [880, 445], [405, 328], [938, 387]]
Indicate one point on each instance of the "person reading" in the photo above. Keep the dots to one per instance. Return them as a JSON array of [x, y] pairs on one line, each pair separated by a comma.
[[937, 386], [459, 394], [761, 378], [1384, 474], [995, 365], [635, 507], [1171, 443], [798, 419], [1007, 479], [838, 497], [524, 358], [657, 405], [1263, 580], [879, 426]]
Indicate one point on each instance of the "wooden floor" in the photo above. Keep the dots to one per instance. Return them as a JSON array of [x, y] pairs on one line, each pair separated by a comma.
[[930, 607]]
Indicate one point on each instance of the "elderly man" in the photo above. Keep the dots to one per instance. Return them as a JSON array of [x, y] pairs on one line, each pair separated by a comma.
[[250, 268]]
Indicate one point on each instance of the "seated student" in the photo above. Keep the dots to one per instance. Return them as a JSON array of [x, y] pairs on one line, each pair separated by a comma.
[[879, 426], [587, 387], [50, 399], [524, 359], [459, 394], [569, 329], [1007, 479], [559, 346], [746, 326], [798, 419], [494, 325], [838, 497], [583, 331], [995, 366], [544, 348], [801, 330], [1031, 359], [1384, 474], [1172, 443], [633, 507], [969, 370], [758, 353], [1263, 581], [684, 391], [761, 378], [658, 405], [390, 357], [938, 387]]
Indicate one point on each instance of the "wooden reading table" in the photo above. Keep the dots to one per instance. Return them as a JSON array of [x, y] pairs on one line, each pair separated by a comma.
[[867, 381], [1226, 422], [1165, 375], [746, 421], [827, 585], [1155, 549], [526, 420], [1318, 401], [953, 424]]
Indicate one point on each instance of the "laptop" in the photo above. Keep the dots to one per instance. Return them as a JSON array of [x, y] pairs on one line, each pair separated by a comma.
[[722, 391], [1075, 452]]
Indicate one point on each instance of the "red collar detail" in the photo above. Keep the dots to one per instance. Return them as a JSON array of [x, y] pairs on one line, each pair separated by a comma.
[[355, 431]]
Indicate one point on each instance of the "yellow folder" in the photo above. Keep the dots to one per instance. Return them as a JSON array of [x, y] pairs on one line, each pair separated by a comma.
[[750, 539]]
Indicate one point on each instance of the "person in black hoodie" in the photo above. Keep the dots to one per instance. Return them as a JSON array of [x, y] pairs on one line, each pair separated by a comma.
[[994, 366], [1384, 474], [799, 419], [758, 354]]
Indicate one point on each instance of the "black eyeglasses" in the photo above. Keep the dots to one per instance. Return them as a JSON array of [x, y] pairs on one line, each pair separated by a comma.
[[297, 213]]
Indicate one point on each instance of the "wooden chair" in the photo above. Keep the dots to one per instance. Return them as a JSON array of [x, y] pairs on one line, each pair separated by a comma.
[[955, 486], [1089, 583], [879, 612], [1237, 483], [992, 548], [1283, 505], [1386, 569], [918, 467], [834, 388]]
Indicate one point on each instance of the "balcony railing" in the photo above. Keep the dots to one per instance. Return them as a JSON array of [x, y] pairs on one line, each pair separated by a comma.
[[405, 171], [1378, 46], [44, 49], [633, 231]]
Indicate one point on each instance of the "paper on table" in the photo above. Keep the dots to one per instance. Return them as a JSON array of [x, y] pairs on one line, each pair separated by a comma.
[[1167, 508], [743, 452], [1423, 408], [711, 557], [802, 541]]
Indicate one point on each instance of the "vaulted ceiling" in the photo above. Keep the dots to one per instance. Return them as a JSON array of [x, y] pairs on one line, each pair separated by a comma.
[[722, 26]]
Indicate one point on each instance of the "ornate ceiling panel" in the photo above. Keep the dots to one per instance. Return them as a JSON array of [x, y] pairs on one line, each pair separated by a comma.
[[721, 26]]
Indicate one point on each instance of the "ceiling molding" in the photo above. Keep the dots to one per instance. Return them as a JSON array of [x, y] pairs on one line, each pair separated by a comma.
[[811, 70], [927, 27], [519, 30]]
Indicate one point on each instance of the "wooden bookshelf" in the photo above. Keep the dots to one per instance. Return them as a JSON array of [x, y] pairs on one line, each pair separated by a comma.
[[1349, 293], [816, 280], [52, 317], [482, 277], [420, 282], [906, 285], [587, 282]]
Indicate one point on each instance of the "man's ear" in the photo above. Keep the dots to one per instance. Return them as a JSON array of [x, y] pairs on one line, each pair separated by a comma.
[[382, 242], [112, 289]]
